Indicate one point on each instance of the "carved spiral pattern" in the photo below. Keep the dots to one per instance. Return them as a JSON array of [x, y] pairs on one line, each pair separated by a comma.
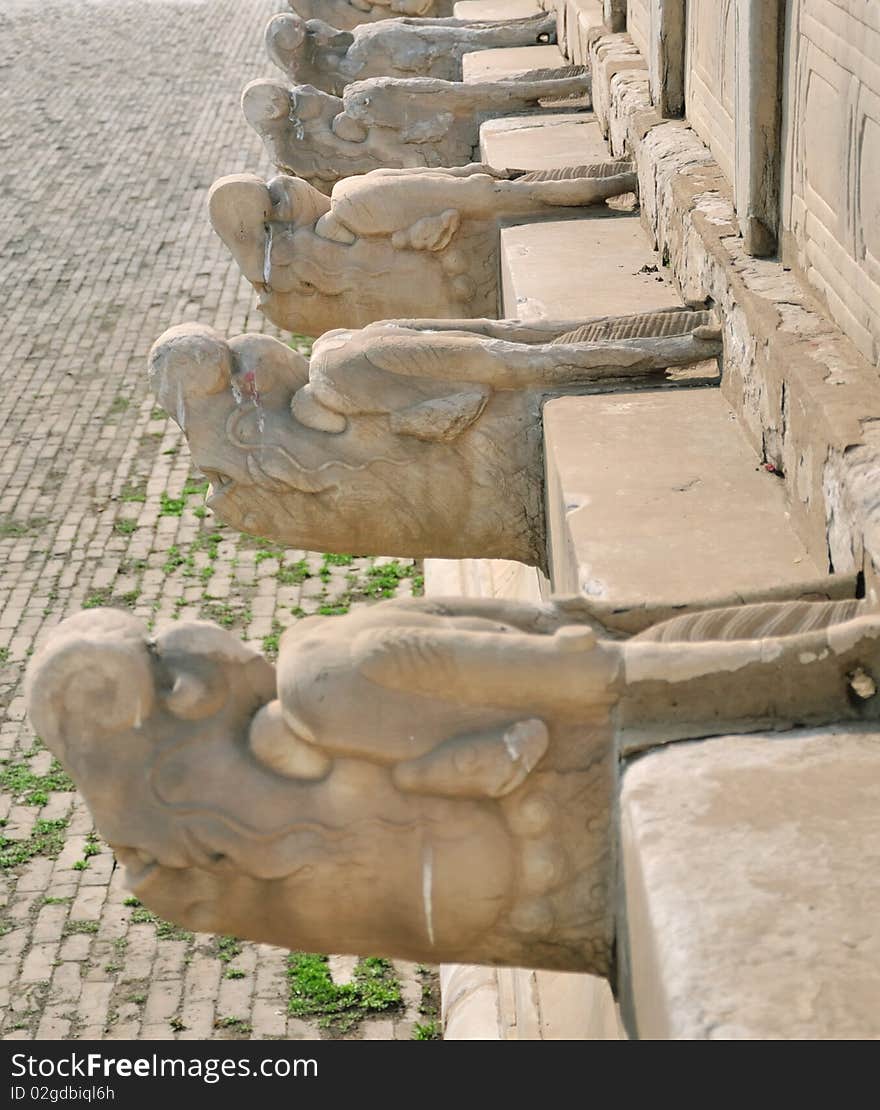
[[558, 74], [753, 622], [644, 325], [576, 173]]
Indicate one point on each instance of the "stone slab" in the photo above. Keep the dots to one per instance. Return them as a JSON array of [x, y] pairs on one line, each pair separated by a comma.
[[495, 9], [469, 999], [496, 65], [576, 1008], [483, 578], [518, 1004], [542, 142], [658, 497], [584, 267], [752, 896]]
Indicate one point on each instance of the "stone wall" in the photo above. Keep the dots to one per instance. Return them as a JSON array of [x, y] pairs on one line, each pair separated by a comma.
[[638, 23], [710, 77], [831, 159]]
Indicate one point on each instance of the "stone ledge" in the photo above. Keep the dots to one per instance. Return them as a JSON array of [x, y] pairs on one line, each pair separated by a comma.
[[687, 520], [470, 1003], [496, 65], [495, 9], [518, 1004], [782, 944], [542, 141], [483, 578], [549, 269], [806, 398]]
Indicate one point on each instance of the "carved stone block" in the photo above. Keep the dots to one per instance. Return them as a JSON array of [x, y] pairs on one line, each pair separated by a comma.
[[830, 202], [311, 52], [410, 438], [432, 780], [348, 14], [710, 77], [408, 242], [390, 122]]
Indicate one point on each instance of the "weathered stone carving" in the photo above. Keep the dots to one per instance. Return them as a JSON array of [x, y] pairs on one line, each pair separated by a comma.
[[348, 14], [410, 242], [390, 121], [413, 438], [311, 52], [433, 780]]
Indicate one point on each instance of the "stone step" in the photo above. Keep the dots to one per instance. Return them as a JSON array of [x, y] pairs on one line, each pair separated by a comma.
[[656, 501], [496, 65], [542, 142], [751, 897], [495, 9], [594, 265], [482, 578]]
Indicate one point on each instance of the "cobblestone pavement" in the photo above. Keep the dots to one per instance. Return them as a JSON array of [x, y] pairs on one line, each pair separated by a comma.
[[115, 117]]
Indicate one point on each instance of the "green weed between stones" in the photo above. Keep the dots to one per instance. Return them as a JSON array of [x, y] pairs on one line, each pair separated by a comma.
[[429, 1031], [20, 781], [92, 848], [47, 839], [165, 930], [272, 641], [234, 1025], [293, 574], [104, 597], [135, 494], [115, 964], [224, 613], [228, 948], [340, 1007], [174, 506], [173, 560], [88, 927], [98, 598], [384, 580], [207, 543], [15, 529]]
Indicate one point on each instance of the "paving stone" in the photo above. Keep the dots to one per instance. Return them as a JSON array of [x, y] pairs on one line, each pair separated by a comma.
[[104, 243], [382, 1030]]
